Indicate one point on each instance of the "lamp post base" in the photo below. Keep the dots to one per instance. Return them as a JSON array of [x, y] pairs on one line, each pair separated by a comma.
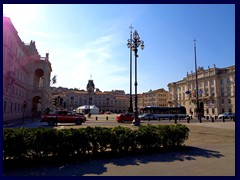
[[136, 122]]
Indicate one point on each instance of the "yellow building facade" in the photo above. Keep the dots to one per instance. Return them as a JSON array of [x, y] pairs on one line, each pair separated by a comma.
[[157, 97]]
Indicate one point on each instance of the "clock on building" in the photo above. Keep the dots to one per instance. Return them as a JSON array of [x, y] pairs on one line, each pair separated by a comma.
[[90, 86]]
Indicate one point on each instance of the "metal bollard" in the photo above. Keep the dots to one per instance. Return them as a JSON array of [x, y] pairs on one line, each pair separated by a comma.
[[212, 119], [223, 119], [107, 118], [188, 119], [96, 118], [175, 119]]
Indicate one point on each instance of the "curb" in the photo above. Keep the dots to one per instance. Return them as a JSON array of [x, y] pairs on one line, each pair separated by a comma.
[[18, 122]]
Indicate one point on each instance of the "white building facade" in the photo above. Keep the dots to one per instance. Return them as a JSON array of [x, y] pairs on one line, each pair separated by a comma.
[[115, 101], [216, 91]]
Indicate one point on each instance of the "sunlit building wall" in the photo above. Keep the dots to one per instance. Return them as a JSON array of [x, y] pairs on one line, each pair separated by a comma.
[[216, 91], [26, 77], [157, 97]]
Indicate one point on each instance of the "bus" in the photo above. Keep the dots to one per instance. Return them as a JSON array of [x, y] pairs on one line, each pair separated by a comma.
[[165, 112]]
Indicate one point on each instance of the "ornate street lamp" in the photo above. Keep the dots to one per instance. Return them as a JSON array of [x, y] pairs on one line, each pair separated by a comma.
[[133, 44]]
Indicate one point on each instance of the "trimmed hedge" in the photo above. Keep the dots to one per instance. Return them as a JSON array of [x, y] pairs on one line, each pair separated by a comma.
[[89, 142]]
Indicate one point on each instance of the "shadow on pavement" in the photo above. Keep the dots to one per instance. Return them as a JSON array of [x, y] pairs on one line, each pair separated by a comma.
[[98, 167]]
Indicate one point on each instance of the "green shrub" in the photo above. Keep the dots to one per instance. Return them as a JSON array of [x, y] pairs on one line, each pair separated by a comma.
[[80, 141], [123, 139], [65, 146], [38, 143], [181, 134], [147, 137], [102, 137], [14, 145], [172, 135], [42, 142]]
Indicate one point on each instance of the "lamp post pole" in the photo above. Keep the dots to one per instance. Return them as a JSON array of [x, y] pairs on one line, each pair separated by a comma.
[[131, 104], [133, 44], [197, 110], [136, 121]]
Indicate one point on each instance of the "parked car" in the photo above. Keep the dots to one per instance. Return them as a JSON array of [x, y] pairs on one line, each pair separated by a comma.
[[226, 115], [124, 117], [62, 116], [147, 116]]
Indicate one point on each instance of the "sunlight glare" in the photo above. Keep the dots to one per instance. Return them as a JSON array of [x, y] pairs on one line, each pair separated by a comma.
[[20, 13]]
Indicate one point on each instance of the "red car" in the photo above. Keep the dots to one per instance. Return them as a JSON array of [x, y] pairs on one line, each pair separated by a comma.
[[124, 117], [62, 116]]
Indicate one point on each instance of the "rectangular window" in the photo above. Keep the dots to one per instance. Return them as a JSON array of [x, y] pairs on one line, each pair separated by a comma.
[[228, 80], [229, 101], [207, 93], [211, 82], [199, 84], [222, 91], [228, 91], [221, 81], [205, 84], [212, 91], [213, 111], [194, 86]]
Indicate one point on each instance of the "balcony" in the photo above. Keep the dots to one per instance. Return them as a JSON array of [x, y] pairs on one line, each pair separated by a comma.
[[43, 58]]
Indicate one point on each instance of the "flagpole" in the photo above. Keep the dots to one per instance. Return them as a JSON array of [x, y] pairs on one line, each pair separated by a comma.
[[197, 110]]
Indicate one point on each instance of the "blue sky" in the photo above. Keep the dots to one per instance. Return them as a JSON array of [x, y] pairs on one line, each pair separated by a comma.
[[84, 40]]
